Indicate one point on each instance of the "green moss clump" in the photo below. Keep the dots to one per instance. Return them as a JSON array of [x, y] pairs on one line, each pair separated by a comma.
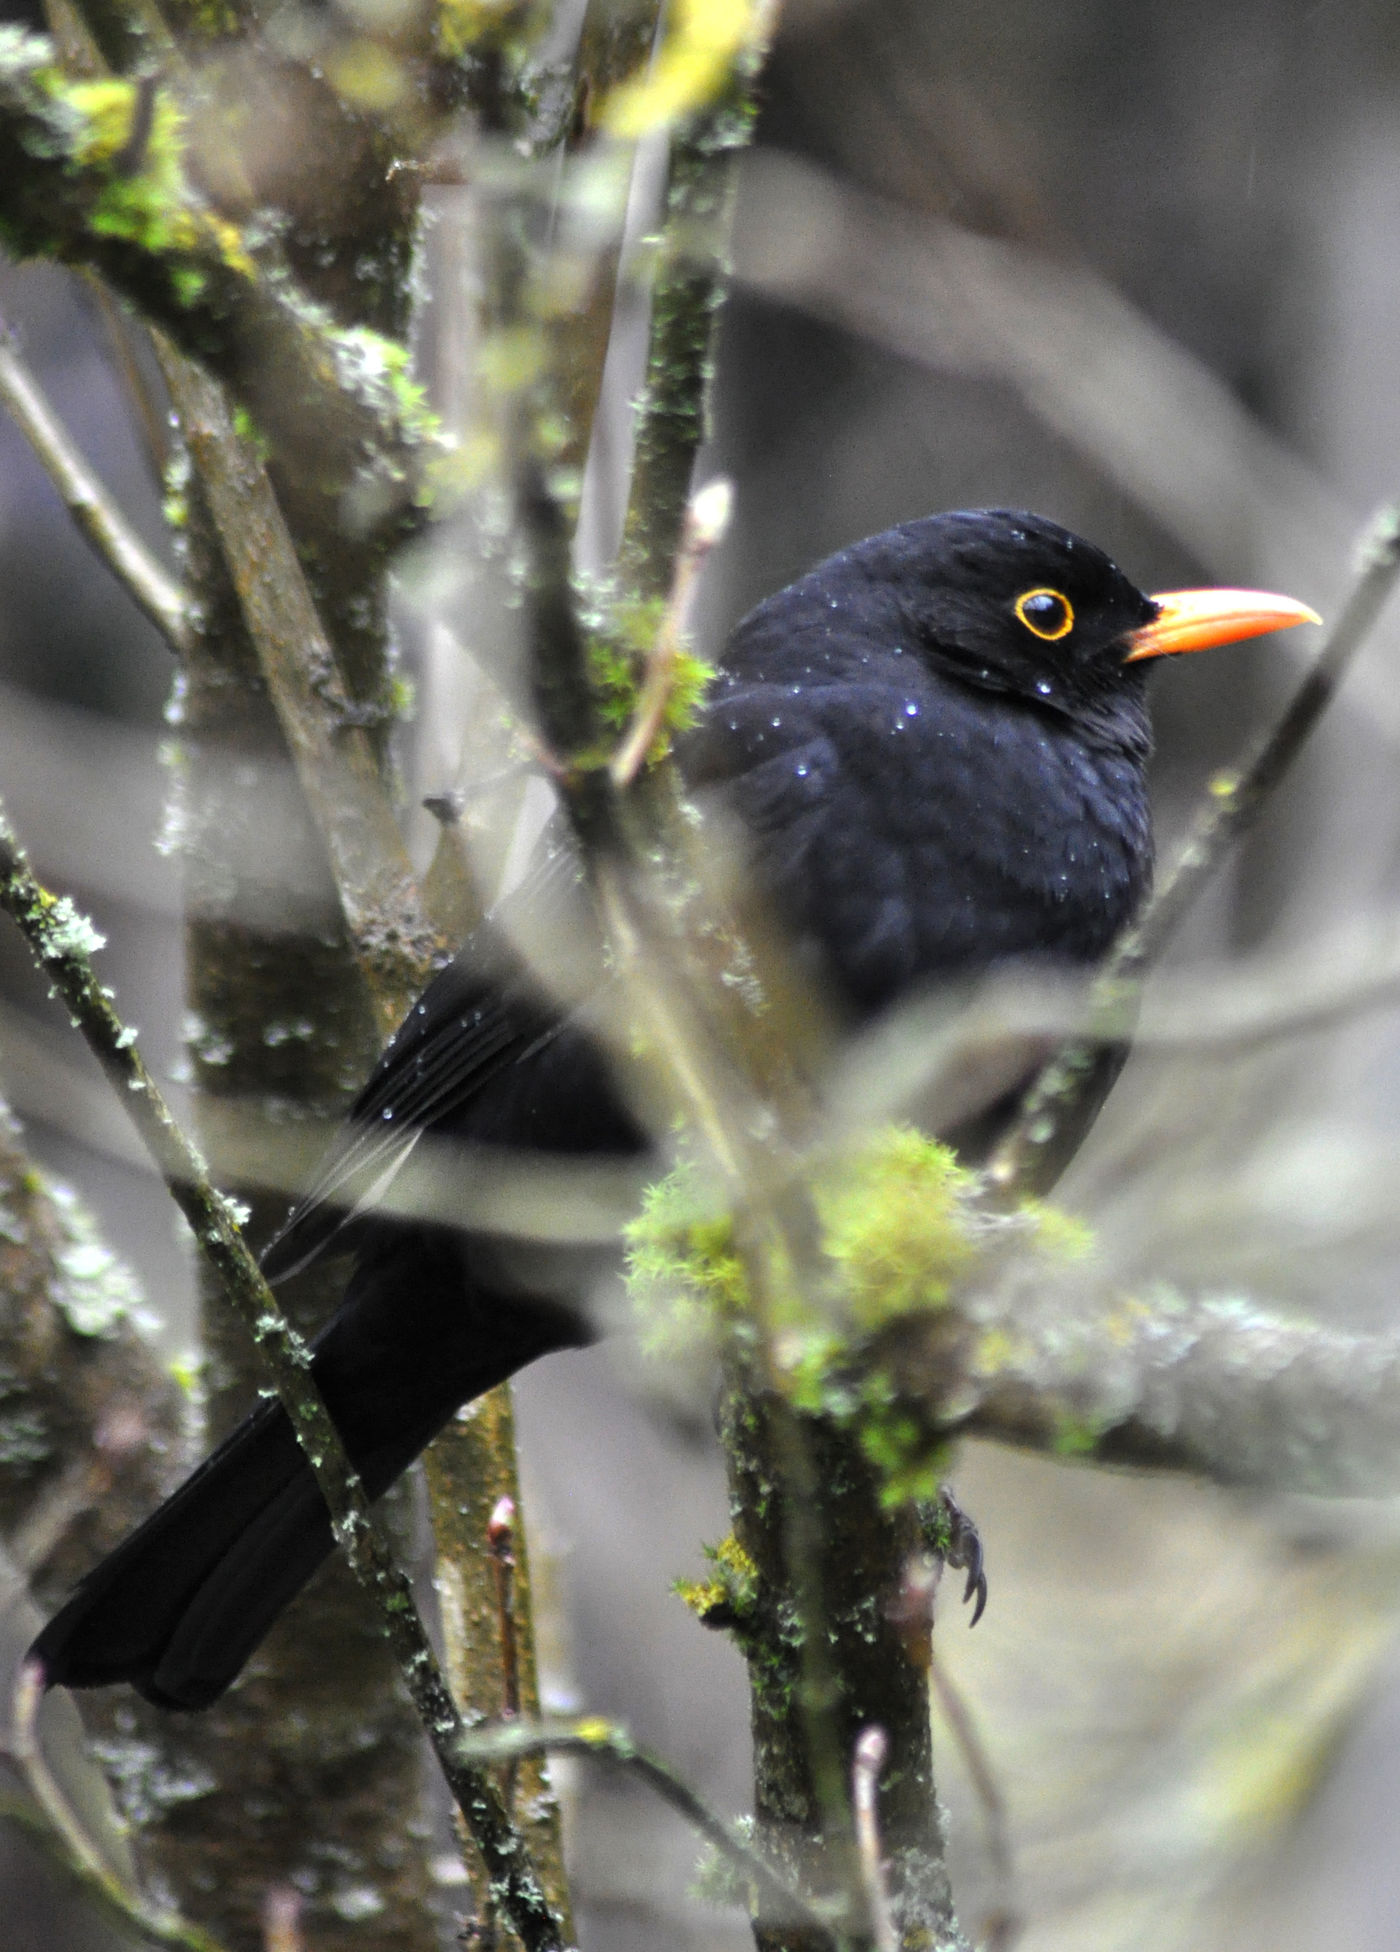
[[378, 371], [684, 1275], [620, 632], [896, 1225], [901, 1231], [151, 203], [912, 1461]]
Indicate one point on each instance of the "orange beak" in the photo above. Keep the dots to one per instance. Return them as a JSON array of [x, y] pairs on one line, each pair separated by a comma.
[[1197, 620]]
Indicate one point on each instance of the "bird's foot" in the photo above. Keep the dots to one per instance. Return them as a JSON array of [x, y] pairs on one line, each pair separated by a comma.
[[953, 1537]]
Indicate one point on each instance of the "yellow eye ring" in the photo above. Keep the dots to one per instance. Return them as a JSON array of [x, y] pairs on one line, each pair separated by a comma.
[[1046, 614]]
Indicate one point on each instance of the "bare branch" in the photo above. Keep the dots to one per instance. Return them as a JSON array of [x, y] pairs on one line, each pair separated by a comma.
[[1220, 1386], [96, 514], [872, 1749], [159, 1927], [591, 1735]]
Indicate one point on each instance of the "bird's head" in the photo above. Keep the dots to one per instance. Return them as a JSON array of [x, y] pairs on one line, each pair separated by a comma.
[[1012, 603]]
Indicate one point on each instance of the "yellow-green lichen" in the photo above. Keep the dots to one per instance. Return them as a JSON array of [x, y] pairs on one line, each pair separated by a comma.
[[106, 118], [729, 1595], [213, 19], [1075, 1436], [473, 26], [705, 43], [146, 197]]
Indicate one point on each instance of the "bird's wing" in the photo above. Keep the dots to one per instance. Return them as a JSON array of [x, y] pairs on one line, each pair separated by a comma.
[[477, 1016]]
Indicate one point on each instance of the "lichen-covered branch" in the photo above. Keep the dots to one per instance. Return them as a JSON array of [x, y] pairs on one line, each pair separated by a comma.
[[954, 1318], [1221, 1386], [62, 943], [98, 173]]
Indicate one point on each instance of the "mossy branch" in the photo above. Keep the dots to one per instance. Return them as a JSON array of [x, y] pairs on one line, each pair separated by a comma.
[[62, 943], [98, 174], [947, 1317], [692, 261]]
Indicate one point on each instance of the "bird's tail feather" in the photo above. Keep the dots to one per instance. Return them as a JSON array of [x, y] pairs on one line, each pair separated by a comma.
[[179, 1606]]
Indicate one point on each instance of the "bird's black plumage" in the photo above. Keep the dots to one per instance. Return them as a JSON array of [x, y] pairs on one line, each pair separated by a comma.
[[928, 782]]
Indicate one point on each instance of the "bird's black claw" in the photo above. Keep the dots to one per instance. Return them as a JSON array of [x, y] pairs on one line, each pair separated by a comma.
[[976, 1583], [958, 1543]]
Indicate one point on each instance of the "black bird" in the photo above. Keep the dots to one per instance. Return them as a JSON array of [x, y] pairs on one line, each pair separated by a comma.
[[933, 746]]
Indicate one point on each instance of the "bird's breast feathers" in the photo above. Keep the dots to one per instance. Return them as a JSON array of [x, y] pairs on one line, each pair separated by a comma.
[[906, 834]]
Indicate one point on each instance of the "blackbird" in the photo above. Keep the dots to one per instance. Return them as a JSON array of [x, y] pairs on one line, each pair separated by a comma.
[[933, 748]]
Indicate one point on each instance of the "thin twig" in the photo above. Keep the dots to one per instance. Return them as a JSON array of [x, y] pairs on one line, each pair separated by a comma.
[[500, 1537], [872, 1748], [592, 1735], [500, 1534], [151, 411], [706, 519], [282, 1910], [62, 942], [162, 1927], [91, 507], [1059, 1107], [1003, 1927], [1233, 1010]]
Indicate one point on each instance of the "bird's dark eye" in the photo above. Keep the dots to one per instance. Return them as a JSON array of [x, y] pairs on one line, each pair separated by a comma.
[[1046, 613]]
